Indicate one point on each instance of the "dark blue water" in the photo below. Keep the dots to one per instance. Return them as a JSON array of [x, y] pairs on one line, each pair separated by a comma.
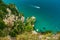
[[47, 12]]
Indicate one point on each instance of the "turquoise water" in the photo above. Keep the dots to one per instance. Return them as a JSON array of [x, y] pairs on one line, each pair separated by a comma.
[[47, 12]]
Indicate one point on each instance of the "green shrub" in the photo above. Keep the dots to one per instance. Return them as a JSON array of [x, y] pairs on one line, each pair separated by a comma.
[[17, 29], [2, 24], [3, 33], [13, 33], [28, 28], [29, 23]]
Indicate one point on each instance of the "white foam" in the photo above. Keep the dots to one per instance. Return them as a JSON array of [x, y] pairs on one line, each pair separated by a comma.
[[37, 30]]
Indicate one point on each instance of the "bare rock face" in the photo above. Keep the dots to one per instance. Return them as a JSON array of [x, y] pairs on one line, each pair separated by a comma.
[[22, 19], [34, 32]]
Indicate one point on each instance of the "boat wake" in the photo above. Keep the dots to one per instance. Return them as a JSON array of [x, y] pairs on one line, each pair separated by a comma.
[[38, 7]]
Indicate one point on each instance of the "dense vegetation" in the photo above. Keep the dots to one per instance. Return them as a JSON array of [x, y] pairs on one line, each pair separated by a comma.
[[12, 22]]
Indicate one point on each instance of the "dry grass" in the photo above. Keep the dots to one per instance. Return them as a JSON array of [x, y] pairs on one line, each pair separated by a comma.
[[30, 36], [5, 38], [27, 36]]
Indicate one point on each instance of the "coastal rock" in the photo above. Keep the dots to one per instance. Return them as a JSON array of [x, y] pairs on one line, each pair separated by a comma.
[[34, 32]]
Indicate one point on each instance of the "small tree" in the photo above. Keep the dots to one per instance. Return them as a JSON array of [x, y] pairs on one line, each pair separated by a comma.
[[29, 22]]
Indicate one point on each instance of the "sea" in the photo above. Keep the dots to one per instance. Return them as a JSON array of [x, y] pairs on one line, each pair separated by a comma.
[[47, 13]]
